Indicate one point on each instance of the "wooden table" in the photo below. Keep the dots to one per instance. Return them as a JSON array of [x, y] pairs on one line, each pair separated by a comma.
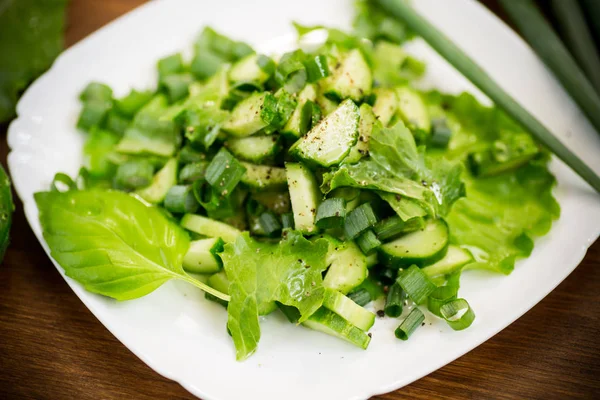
[[52, 347]]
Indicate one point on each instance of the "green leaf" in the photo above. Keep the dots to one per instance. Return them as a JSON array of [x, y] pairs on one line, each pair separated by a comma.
[[31, 36], [501, 215], [112, 243], [397, 166], [289, 272]]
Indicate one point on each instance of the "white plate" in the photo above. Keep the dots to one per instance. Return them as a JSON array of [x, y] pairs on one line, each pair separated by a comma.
[[180, 335]]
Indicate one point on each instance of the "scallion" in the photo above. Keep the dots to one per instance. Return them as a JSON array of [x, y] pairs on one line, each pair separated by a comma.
[[287, 221], [169, 65], [362, 297], [368, 242], [316, 68], [224, 172], [416, 284], [440, 296], [180, 199], [359, 220], [457, 58], [133, 102], [458, 314], [410, 324], [192, 172], [331, 213], [93, 113], [134, 174], [176, 86], [63, 183], [394, 301], [96, 91], [270, 223]]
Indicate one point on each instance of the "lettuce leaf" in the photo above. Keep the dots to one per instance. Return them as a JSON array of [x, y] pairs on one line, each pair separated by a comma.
[[397, 166], [289, 272], [501, 215]]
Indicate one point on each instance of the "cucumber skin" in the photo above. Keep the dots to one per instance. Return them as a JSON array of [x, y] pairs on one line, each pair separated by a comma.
[[404, 262], [7, 208]]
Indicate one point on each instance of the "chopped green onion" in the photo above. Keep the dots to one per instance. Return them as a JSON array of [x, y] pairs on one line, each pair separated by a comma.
[[389, 228], [63, 183], [270, 223], [310, 116], [388, 275], [359, 220], [416, 284], [394, 301], [190, 155], [96, 91], [291, 72], [284, 108], [266, 64], [458, 314], [176, 86], [224, 172], [368, 242], [134, 174], [117, 123], [331, 213], [180, 199], [254, 208], [362, 297], [457, 58], [316, 68], [192, 172], [205, 64], [440, 296], [93, 113], [410, 324], [287, 221], [172, 64], [440, 133], [202, 126], [133, 102]]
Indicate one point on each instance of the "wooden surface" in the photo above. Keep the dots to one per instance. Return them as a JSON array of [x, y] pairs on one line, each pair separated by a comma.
[[52, 347]]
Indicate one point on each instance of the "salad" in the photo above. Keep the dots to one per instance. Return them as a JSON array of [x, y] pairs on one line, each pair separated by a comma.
[[311, 183]]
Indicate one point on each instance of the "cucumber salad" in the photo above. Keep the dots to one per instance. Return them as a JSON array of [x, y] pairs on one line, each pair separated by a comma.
[[319, 183]]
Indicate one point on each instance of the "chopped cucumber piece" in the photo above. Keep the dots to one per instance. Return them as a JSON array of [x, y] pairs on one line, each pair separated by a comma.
[[421, 247], [203, 256], [305, 196], [413, 111], [251, 115], [326, 105], [348, 267], [209, 227], [219, 281], [385, 105], [365, 127], [455, 258], [254, 149], [330, 141], [248, 70], [264, 177], [349, 310], [293, 127], [350, 78], [326, 321], [162, 181]]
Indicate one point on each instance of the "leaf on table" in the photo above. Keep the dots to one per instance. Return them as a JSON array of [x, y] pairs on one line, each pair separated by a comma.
[[111, 242], [289, 272], [31, 36]]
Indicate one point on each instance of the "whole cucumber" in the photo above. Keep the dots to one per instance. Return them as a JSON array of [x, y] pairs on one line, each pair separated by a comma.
[[6, 210]]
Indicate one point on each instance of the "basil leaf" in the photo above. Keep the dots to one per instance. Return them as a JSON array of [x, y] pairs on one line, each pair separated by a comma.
[[112, 243], [260, 274]]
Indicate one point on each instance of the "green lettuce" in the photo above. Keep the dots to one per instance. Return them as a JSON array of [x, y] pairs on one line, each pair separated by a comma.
[[398, 167], [501, 215], [289, 272]]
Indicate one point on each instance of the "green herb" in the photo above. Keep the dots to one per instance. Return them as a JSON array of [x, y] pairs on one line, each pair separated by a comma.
[[261, 273], [113, 244], [31, 36]]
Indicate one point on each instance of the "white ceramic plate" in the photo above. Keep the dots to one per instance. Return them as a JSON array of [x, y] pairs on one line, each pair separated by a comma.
[[182, 336]]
